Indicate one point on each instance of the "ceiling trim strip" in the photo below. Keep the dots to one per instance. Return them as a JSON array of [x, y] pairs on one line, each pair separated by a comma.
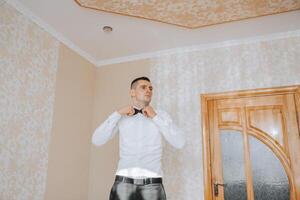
[[228, 43], [60, 37]]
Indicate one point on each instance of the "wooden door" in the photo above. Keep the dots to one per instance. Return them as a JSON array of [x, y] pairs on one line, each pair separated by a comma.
[[251, 144]]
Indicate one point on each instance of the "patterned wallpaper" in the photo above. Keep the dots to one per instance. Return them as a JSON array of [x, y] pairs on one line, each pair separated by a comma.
[[253, 63], [193, 13], [28, 65]]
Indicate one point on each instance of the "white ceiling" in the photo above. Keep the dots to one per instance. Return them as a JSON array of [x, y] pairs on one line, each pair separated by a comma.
[[133, 38]]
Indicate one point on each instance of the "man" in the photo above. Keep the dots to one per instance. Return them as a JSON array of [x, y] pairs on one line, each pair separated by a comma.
[[139, 174]]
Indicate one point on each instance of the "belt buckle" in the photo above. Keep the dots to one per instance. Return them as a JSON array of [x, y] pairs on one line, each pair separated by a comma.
[[139, 181]]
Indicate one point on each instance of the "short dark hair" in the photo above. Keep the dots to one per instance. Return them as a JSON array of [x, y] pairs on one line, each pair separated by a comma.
[[132, 85]]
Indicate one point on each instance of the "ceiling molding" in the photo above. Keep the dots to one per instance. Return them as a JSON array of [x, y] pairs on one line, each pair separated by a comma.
[[60, 37], [187, 49]]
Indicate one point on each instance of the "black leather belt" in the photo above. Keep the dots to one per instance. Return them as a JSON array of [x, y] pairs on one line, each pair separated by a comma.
[[143, 181]]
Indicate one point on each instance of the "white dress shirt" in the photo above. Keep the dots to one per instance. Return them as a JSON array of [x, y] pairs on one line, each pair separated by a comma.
[[140, 141]]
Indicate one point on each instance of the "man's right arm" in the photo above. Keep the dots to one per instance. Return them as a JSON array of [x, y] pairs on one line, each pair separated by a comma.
[[107, 129]]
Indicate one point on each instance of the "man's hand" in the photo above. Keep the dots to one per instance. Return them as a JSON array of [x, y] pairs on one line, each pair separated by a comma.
[[128, 110], [148, 111]]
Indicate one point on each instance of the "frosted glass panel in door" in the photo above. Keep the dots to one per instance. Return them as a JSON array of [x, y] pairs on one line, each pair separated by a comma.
[[269, 178], [233, 165]]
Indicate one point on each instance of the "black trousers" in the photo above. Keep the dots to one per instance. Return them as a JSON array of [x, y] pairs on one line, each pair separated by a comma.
[[137, 189]]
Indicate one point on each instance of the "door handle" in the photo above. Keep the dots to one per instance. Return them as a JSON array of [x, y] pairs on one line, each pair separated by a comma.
[[216, 188]]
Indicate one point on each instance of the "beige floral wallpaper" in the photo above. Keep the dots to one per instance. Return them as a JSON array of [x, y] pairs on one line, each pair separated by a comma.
[[193, 13], [252, 63], [28, 65]]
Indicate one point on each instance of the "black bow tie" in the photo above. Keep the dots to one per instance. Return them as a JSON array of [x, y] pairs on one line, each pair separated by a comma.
[[136, 111]]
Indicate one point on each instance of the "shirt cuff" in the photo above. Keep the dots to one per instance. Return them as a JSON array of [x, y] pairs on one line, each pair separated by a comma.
[[158, 120], [155, 118], [115, 115]]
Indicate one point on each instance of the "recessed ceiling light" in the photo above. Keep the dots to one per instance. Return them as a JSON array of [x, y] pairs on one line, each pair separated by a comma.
[[107, 29]]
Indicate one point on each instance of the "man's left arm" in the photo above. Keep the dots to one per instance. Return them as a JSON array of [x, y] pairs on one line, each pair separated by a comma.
[[167, 127]]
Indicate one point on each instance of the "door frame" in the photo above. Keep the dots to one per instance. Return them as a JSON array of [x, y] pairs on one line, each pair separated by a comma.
[[207, 104]]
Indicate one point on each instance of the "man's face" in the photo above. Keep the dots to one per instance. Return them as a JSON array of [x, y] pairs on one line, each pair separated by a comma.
[[142, 93]]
